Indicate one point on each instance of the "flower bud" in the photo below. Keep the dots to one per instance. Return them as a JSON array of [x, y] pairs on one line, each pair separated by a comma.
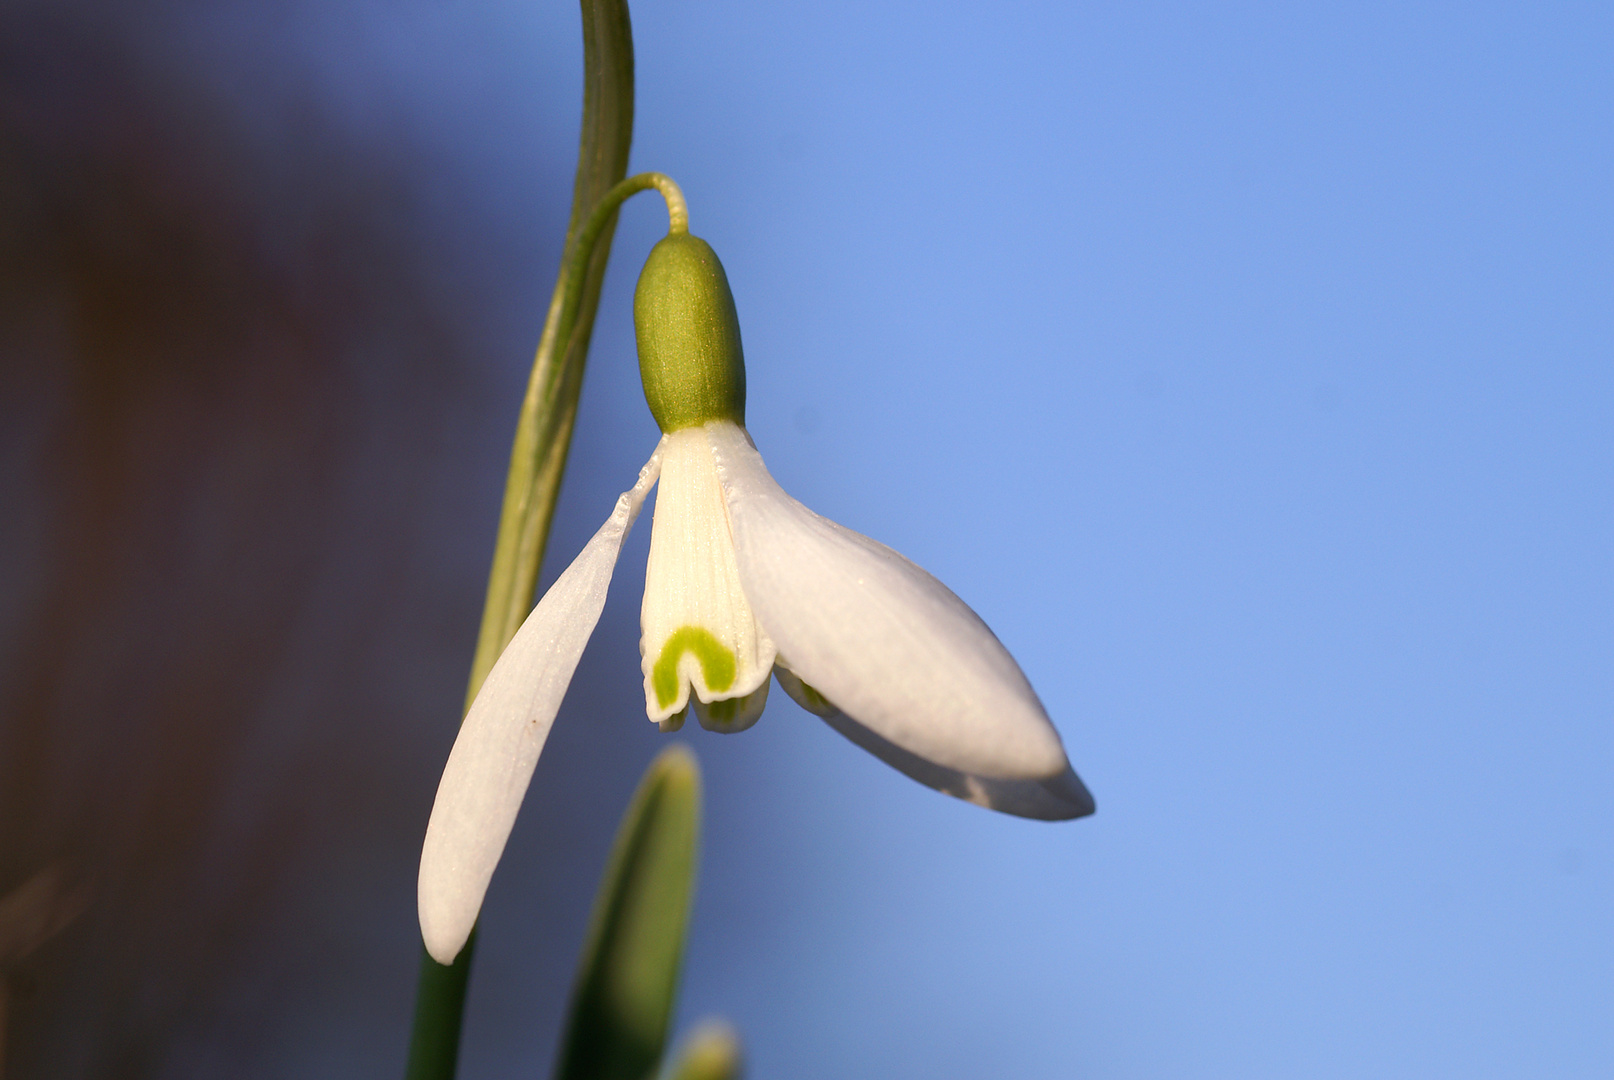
[[689, 336]]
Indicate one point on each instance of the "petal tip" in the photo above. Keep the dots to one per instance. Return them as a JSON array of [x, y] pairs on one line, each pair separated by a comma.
[[1071, 798], [444, 929]]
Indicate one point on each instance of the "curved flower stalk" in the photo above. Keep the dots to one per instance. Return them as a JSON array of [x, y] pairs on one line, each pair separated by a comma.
[[743, 583]]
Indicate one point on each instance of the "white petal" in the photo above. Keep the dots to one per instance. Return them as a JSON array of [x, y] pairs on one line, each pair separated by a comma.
[[698, 631], [890, 645], [498, 745], [1059, 799]]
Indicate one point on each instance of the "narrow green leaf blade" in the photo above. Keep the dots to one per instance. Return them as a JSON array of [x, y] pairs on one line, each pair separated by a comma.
[[549, 409], [628, 977], [538, 456]]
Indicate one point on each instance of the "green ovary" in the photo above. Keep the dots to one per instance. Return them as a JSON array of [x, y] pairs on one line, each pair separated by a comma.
[[717, 663]]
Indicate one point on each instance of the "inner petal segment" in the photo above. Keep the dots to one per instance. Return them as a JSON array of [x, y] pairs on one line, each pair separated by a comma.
[[698, 631]]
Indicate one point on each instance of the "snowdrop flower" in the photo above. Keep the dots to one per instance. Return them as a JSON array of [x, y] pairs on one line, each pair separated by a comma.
[[743, 583]]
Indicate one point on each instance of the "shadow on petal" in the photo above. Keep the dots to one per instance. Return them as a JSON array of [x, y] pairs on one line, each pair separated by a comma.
[[1057, 798]]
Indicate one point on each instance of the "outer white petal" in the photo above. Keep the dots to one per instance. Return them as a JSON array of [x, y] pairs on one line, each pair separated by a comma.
[[498, 745], [1059, 799], [884, 641]]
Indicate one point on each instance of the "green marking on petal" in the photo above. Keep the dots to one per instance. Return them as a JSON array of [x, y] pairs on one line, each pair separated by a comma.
[[717, 663]]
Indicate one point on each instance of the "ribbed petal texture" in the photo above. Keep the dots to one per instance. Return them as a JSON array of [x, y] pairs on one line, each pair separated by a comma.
[[698, 631]]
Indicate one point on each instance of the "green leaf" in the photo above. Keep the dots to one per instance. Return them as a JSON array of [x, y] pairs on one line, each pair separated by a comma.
[[538, 456], [627, 980], [549, 409]]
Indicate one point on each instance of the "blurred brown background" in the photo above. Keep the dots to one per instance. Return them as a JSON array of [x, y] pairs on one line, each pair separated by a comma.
[[253, 412]]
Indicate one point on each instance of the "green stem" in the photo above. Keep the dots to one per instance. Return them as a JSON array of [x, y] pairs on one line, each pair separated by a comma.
[[549, 409], [547, 414], [542, 441], [602, 217], [434, 1042]]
